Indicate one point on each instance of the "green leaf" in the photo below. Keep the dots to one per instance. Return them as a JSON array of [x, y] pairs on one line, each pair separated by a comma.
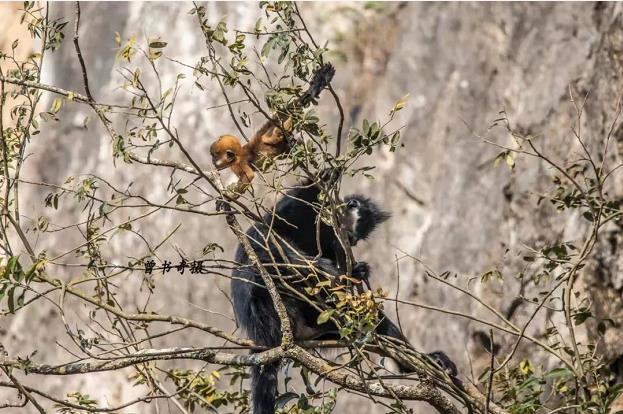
[[325, 283], [11, 299], [154, 54], [325, 316], [580, 318], [588, 216], [12, 267], [559, 373], [258, 25], [268, 46], [30, 273], [104, 209], [158, 44]]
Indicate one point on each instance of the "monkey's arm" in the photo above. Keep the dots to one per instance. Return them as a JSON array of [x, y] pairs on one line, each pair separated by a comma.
[[274, 135], [296, 207], [307, 193], [246, 174]]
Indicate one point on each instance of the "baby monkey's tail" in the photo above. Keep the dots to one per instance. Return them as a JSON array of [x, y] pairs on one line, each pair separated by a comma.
[[321, 79]]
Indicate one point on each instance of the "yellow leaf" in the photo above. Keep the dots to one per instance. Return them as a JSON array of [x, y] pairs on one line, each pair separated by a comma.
[[510, 161], [401, 103], [324, 316], [56, 105], [525, 367]]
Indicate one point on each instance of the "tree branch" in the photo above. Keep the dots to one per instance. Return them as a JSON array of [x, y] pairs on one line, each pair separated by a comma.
[[85, 78], [424, 391]]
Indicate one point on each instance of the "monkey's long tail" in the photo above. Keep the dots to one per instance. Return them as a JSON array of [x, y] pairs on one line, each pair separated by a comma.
[[264, 388], [321, 79]]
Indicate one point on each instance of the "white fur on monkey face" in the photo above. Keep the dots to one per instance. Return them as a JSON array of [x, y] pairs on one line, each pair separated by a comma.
[[351, 220]]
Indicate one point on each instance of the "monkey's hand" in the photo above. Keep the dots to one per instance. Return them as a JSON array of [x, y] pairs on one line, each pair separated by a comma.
[[444, 362], [221, 205], [361, 271], [331, 175]]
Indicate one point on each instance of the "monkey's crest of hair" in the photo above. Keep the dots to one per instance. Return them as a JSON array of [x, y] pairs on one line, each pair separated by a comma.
[[226, 141]]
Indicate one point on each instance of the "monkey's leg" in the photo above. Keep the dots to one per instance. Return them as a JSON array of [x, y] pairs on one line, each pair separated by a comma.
[[274, 136]]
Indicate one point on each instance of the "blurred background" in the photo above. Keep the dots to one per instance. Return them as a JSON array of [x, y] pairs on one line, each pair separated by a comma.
[[461, 64]]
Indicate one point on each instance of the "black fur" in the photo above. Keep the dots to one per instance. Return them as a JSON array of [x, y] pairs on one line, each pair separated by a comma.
[[444, 362], [294, 229], [369, 217], [321, 79]]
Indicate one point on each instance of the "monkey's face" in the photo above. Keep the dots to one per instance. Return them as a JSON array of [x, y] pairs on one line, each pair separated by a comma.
[[360, 217], [225, 151], [223, 159]]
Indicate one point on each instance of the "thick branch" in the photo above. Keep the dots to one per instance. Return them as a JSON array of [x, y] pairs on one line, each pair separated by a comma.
[[143, 356], [423, 391]]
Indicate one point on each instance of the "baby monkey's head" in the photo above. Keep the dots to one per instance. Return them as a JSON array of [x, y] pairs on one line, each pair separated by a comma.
[[225, 151]]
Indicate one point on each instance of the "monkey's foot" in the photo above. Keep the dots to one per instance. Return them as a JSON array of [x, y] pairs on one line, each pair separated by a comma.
[[444, 362], [221, 205]]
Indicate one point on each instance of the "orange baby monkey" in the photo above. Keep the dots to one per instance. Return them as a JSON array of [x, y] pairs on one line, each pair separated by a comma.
[[227, 152], [269, 141]]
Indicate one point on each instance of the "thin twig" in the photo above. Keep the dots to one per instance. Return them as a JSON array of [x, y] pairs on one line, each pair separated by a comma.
[[85, 78], [23, 390], [37, 85], [491, 372], [338, 138]]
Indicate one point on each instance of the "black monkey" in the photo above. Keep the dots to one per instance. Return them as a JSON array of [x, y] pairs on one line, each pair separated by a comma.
[[294, 229]]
